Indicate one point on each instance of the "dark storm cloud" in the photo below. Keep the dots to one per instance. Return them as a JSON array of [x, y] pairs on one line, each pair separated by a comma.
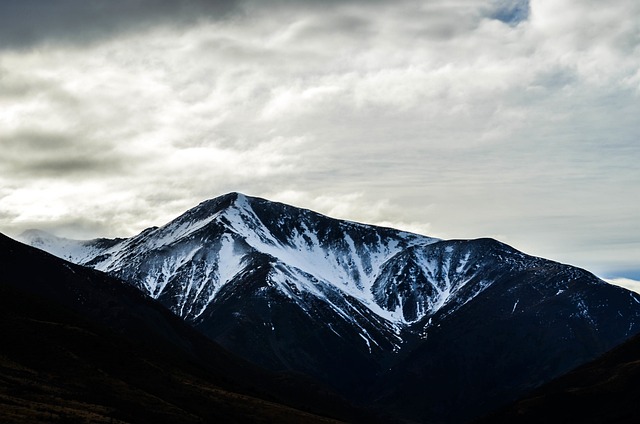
[[25, 23], [28, 23], [38, 154], [354, 26]]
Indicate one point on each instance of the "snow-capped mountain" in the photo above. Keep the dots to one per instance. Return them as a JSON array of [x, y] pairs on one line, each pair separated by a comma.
[[196, 255], [372, 311]]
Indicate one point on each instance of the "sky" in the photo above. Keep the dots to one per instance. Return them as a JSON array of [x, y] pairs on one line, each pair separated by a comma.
[[517, 120]]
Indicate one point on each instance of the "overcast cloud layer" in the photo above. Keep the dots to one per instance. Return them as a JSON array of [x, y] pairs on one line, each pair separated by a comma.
[[456, 119]]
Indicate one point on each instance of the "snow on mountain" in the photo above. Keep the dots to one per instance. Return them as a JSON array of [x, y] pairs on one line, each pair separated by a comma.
[[77, 251], [400, 277], [373, 312], [207, 246]]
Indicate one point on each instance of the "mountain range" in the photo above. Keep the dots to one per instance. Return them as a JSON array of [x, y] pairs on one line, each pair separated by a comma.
[[416, 328]]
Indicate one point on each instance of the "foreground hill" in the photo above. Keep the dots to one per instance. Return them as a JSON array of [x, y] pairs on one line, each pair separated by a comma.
[[606, 390], [427, 330], [80, 346]]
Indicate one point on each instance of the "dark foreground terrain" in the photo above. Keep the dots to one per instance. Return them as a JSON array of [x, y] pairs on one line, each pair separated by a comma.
[[606, 390], [80, 347]]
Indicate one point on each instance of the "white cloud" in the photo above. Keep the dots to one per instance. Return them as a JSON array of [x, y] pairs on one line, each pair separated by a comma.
[[627, 283], [345, 206], [433, 117]]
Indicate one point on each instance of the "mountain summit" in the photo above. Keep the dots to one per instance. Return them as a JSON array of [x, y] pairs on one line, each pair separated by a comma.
[[426, 329]]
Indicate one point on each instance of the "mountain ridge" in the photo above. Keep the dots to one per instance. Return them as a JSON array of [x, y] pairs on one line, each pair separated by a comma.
[[355, 306]]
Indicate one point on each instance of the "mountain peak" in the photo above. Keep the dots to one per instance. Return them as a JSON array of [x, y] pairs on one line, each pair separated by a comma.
[[216, 205], [291, 289]]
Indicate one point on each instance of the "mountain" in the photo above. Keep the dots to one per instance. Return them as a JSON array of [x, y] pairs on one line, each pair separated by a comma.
[[80, 346], [603, 391], [428, 330]]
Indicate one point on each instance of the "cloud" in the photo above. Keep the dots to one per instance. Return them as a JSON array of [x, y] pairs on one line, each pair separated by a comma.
[[627, 283], [373, 211], [50, 155], [463, 119], [28, 23]]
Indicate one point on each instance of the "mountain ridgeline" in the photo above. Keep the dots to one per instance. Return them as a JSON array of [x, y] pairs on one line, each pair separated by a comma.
[[425, 330]]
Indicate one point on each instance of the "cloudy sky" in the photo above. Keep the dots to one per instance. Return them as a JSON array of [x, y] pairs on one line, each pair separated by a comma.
[[452, 118]]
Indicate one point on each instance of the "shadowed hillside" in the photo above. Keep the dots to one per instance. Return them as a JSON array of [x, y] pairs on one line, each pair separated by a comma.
[[606, 390], [79, 347]]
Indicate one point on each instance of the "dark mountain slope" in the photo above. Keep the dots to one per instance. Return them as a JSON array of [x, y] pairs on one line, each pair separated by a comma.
[[606, 390], [534, 323], [79, 346]]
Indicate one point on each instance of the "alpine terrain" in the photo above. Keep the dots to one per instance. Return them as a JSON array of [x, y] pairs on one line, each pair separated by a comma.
[[79, 346], [424, 330]]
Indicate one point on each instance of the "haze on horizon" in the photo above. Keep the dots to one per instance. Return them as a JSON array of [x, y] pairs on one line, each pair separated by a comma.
[[516, 120]]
